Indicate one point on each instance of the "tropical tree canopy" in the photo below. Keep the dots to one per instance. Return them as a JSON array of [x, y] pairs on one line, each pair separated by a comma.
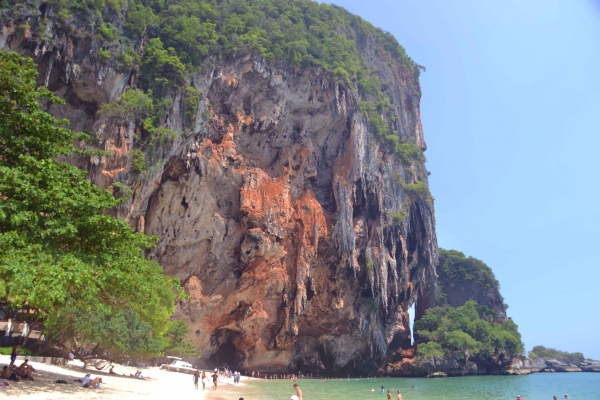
[[80, 271], [461, 329]]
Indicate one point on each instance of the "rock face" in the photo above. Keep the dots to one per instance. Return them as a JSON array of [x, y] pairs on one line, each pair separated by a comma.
[[458, 280], [451, 365], [523, 366], [274, 210]]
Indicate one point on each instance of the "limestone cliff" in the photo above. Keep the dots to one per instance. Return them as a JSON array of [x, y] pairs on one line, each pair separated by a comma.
[[292, 227]]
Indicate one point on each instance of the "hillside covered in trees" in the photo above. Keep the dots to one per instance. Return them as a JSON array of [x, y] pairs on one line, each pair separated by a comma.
[[464, 319]]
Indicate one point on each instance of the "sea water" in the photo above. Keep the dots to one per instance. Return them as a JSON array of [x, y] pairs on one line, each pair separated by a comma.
[[540, 386]]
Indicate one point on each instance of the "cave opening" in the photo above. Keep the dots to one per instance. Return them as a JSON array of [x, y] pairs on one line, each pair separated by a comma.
[[227, 353]]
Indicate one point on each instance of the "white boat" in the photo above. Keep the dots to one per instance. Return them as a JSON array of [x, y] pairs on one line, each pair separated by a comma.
[[178, 365]]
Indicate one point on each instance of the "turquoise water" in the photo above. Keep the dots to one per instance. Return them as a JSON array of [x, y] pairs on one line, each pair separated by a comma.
[[541, 386]]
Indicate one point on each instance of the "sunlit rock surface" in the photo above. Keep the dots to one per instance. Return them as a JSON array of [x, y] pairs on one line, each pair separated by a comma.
[[273, 209]]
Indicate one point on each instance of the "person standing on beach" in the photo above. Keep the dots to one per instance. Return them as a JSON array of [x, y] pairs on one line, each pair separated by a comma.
[[389, 395], [215, 377], [298, 391], [399, 396], [14, 354], [196, 379], [204, 379]]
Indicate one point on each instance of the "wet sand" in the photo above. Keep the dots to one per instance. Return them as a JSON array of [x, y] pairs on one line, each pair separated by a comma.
[[164, 385]]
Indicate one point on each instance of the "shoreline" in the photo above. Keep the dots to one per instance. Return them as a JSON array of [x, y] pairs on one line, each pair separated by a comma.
[[169, 385], [161, 385]]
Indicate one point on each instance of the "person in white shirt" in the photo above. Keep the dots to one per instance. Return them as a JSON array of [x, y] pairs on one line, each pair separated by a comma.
[[8, 327], [88, 382]]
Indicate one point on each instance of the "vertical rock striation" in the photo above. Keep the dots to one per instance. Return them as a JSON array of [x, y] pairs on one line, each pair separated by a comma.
[[291, 227]]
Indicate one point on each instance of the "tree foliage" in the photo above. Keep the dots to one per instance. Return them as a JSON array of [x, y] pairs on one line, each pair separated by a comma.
[[134, 105], [446, 330], [454, 267], [79, 270], [178, 343], [550, 353], [184, 36]]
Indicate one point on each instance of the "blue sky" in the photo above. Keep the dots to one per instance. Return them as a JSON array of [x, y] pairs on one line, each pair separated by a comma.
[[511, 115]]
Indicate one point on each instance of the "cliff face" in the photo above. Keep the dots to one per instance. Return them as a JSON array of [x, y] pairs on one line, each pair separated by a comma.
[[274, 209]]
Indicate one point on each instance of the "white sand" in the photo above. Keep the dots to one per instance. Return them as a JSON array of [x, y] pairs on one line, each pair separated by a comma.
[[165, 385]]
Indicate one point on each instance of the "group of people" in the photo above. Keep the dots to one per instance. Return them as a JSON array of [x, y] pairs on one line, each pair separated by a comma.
[[292, 377], [12, 372], [200, 376], [138, 375], [389, 393], [236, 377]]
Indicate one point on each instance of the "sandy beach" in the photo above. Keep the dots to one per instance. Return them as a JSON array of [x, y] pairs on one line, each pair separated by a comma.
[[164, 385]]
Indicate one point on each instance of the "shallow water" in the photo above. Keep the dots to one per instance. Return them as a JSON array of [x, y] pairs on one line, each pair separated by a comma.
[[541, 386]]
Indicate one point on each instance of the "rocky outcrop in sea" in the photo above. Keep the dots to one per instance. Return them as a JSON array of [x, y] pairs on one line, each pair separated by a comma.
[[524, 366]]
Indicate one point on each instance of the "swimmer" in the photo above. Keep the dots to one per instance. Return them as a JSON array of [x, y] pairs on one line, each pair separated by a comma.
[[298, 391]]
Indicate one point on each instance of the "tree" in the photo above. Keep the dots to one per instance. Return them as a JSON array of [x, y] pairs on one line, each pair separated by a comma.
[[178, 342], [76, 268], [462, 341], [448, 329]]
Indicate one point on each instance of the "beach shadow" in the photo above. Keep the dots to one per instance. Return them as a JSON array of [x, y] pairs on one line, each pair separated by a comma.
[[45, 384]]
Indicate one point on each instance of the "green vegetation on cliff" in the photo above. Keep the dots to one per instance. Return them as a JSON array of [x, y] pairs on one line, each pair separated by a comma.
[[553, 354], [80, 271], [302, 31], [184, 36], [455, 270], [455, 267], [447, 330]]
